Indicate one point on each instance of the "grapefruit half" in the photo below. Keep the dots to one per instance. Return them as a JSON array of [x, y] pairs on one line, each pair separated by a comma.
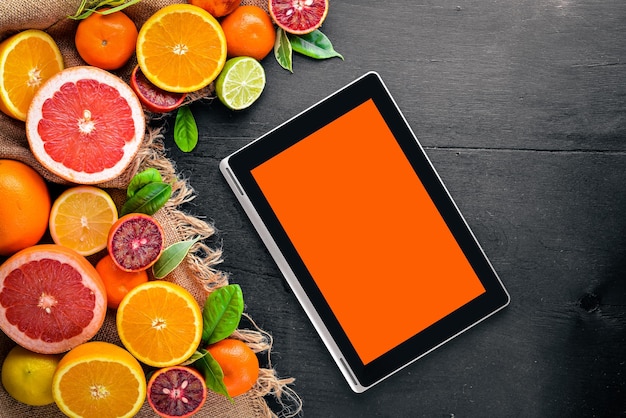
[[85, 125], [51, 299]]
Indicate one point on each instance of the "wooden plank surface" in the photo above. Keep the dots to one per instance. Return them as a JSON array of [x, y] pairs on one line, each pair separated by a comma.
[[521, 105]]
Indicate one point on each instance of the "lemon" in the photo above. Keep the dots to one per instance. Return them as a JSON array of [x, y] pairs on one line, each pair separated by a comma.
[[240, 83], [27, 376]]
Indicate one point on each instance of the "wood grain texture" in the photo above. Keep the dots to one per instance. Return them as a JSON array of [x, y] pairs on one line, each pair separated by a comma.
[[521, 107]]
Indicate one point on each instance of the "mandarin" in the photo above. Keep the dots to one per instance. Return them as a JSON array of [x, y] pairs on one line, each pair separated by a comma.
[[239, 364], [118, 282], [106, 41], [24, 206], [218, 8], [249, 32]]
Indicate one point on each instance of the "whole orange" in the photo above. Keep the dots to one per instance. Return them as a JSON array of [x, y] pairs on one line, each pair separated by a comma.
[[217, 8], [106, 41], [118, 282], [24, 206], [249, 32], [239, 364]]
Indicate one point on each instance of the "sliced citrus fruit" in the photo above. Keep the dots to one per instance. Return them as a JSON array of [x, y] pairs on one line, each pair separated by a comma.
[[153, 98], [176, 392], [99, 380], [27, 60], [81, 218], [135, 241], [181, 48], [85, 125], [160, 323], [51, 299], [298, 16], [240, 83]]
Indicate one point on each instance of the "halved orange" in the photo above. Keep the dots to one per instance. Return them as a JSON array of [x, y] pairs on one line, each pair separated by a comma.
[[99, 380], [27, 60], [81, 218], [160, 323], [181, 48]]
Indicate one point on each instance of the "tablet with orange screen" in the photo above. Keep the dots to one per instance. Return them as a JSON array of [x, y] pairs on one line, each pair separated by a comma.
[[364, 231]]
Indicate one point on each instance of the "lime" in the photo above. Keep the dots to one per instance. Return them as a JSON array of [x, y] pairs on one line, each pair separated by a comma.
[[27, 376], [240, 83]]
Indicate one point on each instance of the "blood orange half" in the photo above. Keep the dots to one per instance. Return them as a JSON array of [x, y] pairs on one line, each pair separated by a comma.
[[85, 125], [51, 299], [298, 16]]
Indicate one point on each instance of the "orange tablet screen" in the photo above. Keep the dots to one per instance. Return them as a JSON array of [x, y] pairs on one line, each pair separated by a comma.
[[366, 229]]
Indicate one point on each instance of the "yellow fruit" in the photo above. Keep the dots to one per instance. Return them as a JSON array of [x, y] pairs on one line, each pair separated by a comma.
[[81, 218], [99, 380], [27, 376], [181, 48], [27, 60], [160, 323]]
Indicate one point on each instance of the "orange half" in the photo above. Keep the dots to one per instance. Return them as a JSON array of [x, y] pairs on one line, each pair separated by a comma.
[[27, 60], [160, 323], [181, 48]]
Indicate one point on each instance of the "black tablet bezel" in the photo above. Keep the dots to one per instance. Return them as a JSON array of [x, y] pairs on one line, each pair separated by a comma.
[[237, 168]]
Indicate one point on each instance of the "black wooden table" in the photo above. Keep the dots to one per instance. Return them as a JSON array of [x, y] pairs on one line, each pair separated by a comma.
[[521, 106]]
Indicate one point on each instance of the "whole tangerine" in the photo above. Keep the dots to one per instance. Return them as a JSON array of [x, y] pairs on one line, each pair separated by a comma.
[[118, 282], [24, 206], [239, 364], [249, 32], [218, 8], [106, 41]]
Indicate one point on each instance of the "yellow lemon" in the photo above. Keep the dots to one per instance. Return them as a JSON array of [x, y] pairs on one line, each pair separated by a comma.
[[27, 376]]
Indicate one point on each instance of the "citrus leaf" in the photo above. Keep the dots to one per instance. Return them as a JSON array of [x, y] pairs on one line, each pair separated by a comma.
[[149, 199], [87, 8], [222, 313], [282, 50], [315, 45], [212, 372], [171, 257], [139, 180], [185, 130]]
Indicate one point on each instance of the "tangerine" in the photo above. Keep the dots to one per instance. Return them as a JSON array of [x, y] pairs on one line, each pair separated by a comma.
[[106, 41], [239, 364], [249, 32], [118, 282], [218, 8], [24, 206]]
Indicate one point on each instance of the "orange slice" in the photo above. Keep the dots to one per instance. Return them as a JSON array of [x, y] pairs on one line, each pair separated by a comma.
[[160, 323], [99, 380], [181, 48], [81, 218], [27, 59]]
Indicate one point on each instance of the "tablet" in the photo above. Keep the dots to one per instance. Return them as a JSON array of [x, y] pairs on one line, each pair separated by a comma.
[[364, 231]]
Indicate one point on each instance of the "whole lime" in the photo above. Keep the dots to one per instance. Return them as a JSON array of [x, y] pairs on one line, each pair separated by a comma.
[[27, 376]]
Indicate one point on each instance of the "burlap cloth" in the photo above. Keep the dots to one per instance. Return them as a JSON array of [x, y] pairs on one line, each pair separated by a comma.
[[198, 274]]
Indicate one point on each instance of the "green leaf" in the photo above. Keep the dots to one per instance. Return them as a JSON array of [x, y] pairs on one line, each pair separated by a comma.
[[282, 50], [212, 372], [185, 130], [222, 313], [171, 257], [149, 199], [142, 179], [86, 8], [315, 45]]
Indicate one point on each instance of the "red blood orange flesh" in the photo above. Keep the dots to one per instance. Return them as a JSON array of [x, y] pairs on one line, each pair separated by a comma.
[[51, 299], [85, 125], [153, 98], [298, 16], [135, 241], [177, 391]]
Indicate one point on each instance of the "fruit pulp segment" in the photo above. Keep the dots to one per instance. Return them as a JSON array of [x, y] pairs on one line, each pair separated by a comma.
[[103, 125], [48, 300], [27, 65], [100, 389], [161, 325], [187, 59]]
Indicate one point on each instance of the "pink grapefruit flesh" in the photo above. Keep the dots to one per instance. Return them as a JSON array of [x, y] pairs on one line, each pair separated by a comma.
[[51, 299], [85, 125]]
